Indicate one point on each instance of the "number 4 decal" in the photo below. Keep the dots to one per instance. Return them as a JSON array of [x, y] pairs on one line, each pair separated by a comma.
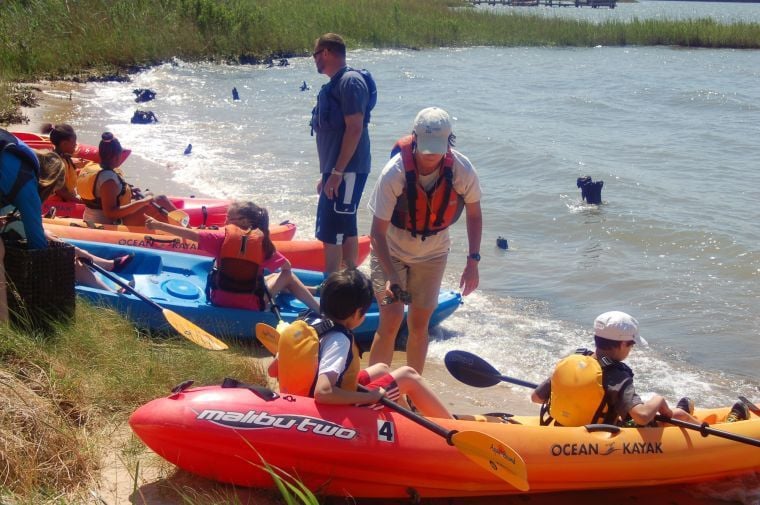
[[386, 432]]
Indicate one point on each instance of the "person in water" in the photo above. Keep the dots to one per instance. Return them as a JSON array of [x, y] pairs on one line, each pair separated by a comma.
[[64, 140], [346, 296], [598, 387], [243, 252], [108, 197]]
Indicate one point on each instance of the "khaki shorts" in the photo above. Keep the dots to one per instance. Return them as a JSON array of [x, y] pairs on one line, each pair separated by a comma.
[[421, 280]]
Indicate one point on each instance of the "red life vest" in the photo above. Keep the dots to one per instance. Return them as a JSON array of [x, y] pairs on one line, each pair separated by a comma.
[[237, 269], [426, 212]]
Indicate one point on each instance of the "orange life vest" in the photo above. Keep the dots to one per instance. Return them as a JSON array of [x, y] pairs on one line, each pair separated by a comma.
[[237, 268], [88, 179], [423, 212]]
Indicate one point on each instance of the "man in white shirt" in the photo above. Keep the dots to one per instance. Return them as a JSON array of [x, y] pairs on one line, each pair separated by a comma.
[[419, 194]]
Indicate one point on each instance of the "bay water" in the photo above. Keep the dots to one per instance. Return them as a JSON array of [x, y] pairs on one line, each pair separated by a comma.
[[672, 132]]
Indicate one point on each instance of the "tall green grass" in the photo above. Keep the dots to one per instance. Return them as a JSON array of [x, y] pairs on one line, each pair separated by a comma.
[[53, 37], [57, 38], [63, 394]]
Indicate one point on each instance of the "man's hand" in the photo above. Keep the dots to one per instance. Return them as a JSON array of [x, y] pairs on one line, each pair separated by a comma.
[[470, 277], [331, 186]]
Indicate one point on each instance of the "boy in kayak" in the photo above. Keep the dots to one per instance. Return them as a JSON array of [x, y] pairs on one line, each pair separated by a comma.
[[242, 254], [598, 387], [346, 296]]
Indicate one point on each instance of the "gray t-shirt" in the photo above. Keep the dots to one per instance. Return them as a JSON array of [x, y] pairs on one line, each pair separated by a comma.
[[344, 95]]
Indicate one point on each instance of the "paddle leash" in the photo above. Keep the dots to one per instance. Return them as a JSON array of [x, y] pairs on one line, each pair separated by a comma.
[[179, 323]]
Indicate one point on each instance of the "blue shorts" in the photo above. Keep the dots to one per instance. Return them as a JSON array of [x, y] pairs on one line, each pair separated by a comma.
[[336, 218]]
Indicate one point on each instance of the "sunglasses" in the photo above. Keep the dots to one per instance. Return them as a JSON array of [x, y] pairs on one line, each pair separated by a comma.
[[317, 53]]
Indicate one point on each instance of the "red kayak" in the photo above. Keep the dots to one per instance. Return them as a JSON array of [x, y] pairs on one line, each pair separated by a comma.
[[202, 211]]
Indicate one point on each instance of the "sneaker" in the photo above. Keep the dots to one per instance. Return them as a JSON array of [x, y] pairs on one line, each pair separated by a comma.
[[686, 404], [739, 412]]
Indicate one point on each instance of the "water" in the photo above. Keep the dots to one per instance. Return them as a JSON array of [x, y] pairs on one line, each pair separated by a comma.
[[671, 132]]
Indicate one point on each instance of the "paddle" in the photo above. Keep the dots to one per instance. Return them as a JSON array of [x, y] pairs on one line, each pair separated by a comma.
[[178, 217], [475, 371], [179, 323], [704, 429], [484, 450]]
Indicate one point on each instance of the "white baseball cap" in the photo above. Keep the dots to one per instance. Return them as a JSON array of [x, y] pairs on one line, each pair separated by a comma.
[[619, 326], [433, 128]]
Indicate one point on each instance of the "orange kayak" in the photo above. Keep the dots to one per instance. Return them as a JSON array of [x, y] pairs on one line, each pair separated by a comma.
[[224, 433], [305, 254]]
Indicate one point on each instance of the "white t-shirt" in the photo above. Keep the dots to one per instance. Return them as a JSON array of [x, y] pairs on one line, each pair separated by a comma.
[[336, 348], [389, 187]]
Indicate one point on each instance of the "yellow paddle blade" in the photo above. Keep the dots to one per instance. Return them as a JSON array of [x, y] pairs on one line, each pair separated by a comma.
[[493, 455], [268, 336], [179, 218], [192, 332]]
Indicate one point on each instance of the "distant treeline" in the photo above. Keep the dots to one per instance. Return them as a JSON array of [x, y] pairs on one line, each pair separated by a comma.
[[58, 38]]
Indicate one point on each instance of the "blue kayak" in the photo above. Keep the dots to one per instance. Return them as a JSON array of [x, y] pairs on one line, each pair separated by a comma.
[[177, 282]]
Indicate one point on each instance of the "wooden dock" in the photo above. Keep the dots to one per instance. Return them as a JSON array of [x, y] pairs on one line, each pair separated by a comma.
[[549, 3]]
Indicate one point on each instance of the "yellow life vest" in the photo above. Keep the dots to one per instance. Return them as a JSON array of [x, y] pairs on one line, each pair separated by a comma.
[[88, 179], [298, 354], [577, 390]]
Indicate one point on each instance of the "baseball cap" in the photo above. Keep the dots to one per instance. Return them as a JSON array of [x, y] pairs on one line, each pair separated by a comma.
[[432, 127], [619, 326]]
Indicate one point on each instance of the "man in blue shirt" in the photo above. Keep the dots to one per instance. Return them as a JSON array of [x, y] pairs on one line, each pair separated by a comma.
[[340, 121]]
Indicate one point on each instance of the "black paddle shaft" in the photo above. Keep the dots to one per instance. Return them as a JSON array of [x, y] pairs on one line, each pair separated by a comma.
[[705, 430], [477, 372], [117, 280]]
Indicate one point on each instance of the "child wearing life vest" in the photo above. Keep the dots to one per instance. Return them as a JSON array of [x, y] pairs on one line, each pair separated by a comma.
[[64, 140], [106, 194], [346, 296], [242, 254], [598, 387]]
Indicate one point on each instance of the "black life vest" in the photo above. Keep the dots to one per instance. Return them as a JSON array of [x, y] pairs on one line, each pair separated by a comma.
[[423, 212]]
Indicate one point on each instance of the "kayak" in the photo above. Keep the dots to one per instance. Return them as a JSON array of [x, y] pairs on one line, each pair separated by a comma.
[[177, 282], [84, 151], [135, 235], [224, 433], [304, 254], [202, 211]]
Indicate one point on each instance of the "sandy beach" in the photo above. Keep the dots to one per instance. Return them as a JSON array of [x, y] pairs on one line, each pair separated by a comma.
[[158, 483]]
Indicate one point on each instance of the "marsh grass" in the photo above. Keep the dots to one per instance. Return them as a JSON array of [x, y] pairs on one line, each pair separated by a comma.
[[62, 393], [56, 39]]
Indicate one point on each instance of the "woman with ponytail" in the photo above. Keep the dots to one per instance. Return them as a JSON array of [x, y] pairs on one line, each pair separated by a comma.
[[108, 197], [242, 254]]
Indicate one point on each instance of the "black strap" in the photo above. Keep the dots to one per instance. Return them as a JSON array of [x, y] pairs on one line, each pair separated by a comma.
[[262, 392], [448, 177], [411, 199]]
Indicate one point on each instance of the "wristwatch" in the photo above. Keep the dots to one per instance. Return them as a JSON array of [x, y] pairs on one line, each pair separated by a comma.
[[474, 256]]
